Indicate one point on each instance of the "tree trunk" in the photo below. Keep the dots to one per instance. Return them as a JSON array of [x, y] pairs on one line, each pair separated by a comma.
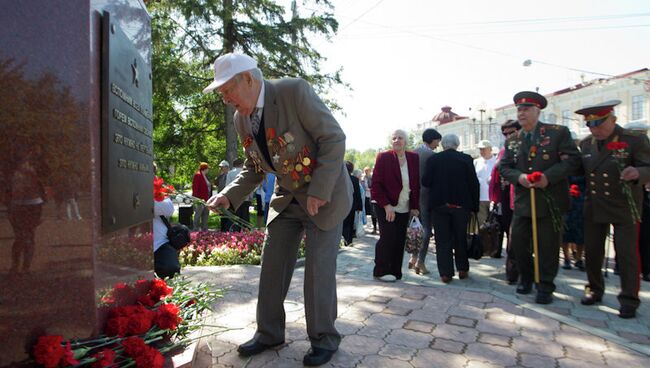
[[229, 46]]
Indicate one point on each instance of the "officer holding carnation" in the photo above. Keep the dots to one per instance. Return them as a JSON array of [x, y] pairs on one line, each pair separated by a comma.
[[540, 156], [616, 164]]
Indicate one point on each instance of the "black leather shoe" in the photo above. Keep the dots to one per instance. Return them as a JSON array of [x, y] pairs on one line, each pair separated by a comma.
[[591, 299], [252, 347], [627, 312], [524, 288], [317, 356], [544, 298], [646, 277]]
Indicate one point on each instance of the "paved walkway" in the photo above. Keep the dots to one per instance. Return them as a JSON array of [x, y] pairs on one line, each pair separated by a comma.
[[421, 322]]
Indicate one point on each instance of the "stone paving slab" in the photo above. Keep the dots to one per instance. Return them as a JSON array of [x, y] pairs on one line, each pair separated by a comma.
[[421, 322]]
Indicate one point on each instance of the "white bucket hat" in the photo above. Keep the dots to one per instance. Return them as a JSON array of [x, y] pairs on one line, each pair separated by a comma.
[[484, 144], [227, 66]]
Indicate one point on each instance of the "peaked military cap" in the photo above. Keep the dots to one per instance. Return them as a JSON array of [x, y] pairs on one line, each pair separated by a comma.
[[595, 115], [529, 98]]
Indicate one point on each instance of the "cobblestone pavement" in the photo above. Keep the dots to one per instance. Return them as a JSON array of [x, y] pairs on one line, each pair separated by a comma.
[[421, 322]]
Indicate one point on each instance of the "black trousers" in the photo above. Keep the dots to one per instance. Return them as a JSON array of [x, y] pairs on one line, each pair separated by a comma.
[[644, 236], [389, 250], [548, 241], [625, 244], [348, 227], [450, 230], [371, 211], [165, 260]]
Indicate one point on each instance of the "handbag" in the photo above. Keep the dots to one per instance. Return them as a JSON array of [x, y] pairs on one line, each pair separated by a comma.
[[474, 246], [489, 234], [414, 235], [177, 234], [358, 219]]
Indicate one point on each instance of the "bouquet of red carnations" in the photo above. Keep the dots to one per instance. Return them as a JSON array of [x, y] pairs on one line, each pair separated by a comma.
[[161, 320]]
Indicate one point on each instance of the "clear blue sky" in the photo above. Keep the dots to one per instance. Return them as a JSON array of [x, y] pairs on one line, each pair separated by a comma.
[[405, 59]]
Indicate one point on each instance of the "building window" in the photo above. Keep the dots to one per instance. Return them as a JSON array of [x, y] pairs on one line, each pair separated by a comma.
[[566, 117], [637, 107]]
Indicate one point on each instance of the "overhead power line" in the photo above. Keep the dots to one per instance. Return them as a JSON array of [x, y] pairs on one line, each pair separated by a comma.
[[397, 33]]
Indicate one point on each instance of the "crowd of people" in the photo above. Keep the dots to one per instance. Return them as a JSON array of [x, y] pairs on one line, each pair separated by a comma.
[[543, 190]]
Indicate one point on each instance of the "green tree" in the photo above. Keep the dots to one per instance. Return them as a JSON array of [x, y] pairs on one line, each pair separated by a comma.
[[361, 159], [188, 35]]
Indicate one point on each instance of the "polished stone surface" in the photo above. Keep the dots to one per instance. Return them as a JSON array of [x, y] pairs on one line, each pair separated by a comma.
[[54, 259]]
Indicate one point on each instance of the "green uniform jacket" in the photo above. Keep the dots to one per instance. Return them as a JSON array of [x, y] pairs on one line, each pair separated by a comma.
[[604, 199], [552, 152]]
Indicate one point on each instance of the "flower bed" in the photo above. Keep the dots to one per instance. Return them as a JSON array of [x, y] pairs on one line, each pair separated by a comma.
[[136, 335], [214, 248]]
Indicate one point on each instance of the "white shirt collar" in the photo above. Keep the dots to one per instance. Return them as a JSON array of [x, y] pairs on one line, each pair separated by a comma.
[[260, 98]]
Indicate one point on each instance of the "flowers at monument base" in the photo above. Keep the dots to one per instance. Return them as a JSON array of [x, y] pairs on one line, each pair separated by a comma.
[[620, 154], [161, 320], [51, 352]]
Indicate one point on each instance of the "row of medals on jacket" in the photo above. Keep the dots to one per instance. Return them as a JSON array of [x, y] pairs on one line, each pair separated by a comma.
[[301, 166]]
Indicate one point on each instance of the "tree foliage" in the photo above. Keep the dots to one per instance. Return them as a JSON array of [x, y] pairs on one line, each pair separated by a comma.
[[188, 35]]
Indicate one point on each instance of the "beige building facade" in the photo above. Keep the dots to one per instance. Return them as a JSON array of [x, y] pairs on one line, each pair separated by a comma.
[[633, 89]]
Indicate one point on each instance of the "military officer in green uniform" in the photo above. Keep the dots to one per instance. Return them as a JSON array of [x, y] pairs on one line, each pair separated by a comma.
[[549, 149], [612, 155]]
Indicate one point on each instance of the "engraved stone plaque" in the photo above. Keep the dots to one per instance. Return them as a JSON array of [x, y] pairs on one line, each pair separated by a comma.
[[127, 132]]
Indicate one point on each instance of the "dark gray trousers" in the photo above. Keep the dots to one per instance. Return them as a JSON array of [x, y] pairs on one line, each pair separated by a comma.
[[278, 262]]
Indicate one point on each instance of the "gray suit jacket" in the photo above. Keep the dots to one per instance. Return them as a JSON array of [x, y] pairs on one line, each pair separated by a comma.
[[307, 147], [424, 153]]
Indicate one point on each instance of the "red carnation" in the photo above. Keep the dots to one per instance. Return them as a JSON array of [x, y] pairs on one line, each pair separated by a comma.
[[615, 146], [158, 192], [105, 358], [534, 177], [122, 293], [139, 323], [117, 326], [159, 289], [68, 356], [134, 346], [142, 286], [149, 358], [574, 190], [167, 317], [49, 351], [146, 300]]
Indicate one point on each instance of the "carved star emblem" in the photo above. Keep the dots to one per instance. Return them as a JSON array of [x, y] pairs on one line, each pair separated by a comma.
[[276, 158], [134, 70]]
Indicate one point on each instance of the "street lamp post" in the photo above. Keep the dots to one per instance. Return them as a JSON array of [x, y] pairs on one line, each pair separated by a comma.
[[481, 123]]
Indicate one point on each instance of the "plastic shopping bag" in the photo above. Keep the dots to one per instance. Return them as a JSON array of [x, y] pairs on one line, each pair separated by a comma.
[[414, 235]]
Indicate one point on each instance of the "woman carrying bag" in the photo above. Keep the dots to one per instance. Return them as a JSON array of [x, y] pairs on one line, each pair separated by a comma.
[[396, 189]]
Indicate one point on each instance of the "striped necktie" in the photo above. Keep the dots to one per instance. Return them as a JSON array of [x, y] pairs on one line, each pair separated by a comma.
[[256, 119]]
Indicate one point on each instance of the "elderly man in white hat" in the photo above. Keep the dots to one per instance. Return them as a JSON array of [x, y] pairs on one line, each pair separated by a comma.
[[287, 130], [483, 166]]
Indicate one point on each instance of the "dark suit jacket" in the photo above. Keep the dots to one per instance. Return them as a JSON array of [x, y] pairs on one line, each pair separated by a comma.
[[604, 198], [311, 137], [424, 153], [357, 204], [555, 155], [451, 179], [387, 179]]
